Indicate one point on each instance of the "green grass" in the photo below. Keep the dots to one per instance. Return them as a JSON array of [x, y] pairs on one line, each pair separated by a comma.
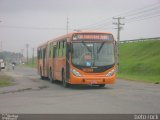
[[5, 80], [32, 63], [140, 61]]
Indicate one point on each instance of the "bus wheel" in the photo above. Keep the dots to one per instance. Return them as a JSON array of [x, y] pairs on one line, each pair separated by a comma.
[[101, 85], [64, 82], [50, 76], [41, 74]]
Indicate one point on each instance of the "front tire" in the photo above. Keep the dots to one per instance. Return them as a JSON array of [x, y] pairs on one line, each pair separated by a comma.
[[101, 85], [64, 82]]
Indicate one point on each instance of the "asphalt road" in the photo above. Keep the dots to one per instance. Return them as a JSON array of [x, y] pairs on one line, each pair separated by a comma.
[[32, 95]]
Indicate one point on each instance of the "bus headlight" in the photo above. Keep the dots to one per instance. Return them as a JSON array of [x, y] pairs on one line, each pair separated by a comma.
[[76, 73], [110, 73]]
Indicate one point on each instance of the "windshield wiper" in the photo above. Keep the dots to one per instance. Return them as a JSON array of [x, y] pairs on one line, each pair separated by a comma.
[[100, 47], [86, 46]]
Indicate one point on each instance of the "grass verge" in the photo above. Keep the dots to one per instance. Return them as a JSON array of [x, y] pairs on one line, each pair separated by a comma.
[[140, 61], [31, 63], [5, 80], [149, 79]]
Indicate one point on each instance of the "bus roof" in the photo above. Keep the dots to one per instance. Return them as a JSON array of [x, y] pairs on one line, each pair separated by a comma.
[[92, 31], [69, 35]]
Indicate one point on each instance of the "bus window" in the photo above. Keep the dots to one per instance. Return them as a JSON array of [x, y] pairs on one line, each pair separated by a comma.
[[54, 51], [61, 49], [41, 54], [50, 50], [38, 54], [44, 53], [93, 54], [57, 50], [64, 48], [58, 44]]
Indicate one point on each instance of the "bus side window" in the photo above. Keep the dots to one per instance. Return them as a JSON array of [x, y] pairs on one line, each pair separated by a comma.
[[54, 51], [44, 53], [41, 53], [38, 54], [61, 49], [57, 49], [64, 48], [50, 50]]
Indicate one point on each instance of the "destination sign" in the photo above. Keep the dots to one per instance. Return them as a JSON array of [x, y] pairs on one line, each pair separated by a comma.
[[92, 37]]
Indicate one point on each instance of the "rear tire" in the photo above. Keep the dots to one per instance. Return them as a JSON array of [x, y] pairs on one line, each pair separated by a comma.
[[41, 74], [51, 77]]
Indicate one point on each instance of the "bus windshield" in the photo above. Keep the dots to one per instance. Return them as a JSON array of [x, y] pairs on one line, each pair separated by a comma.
[[91, 54]]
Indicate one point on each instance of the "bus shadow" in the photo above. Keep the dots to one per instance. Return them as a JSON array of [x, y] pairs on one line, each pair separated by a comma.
[[88, 87], [83, 87]]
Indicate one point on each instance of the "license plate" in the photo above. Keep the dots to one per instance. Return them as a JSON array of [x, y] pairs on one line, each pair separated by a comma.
[[94, 82]]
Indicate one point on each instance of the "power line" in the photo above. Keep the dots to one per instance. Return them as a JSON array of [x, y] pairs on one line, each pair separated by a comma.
[[147, 8], [97, 24], [141, 14], [129, 12], [144, 11], [133, 19], [146, 18], [100, 22], [33, 28], [129, 15]]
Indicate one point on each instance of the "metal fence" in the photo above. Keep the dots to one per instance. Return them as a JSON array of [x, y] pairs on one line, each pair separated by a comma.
[[142, 39]]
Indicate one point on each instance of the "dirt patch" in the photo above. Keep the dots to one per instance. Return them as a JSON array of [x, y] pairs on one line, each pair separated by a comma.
[[25, 89]]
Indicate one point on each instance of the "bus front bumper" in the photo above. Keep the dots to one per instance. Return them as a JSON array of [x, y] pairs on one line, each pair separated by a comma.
[[92, 80]]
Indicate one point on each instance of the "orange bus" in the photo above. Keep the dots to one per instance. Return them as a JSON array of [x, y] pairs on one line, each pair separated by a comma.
[[79, 58]]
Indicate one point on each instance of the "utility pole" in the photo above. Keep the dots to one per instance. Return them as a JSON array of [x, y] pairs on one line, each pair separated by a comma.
[[67, 24], [27, 45], [22, 55], [118, 23], [32, 56]]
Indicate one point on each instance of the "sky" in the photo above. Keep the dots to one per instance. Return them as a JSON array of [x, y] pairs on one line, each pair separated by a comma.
[[34, 22]]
